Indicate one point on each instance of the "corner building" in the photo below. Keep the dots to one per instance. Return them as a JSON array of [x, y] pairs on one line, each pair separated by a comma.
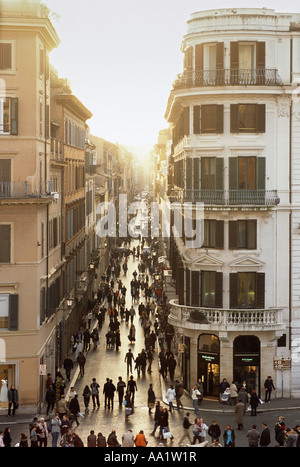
[[234, 112]]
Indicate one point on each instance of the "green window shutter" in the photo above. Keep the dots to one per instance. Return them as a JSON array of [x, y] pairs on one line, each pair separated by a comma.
[[186, 121], [196, 173], [189, 173], [196, 125], [220, 119], [234, 55], [13, 318], [261, 118], [260, 54], [5, 56], [260, 173], [14, 116], [233, 235], [188, 285], [233, 173], [219, 290], [219, 240], [233, 289], [251, 234], [234, 118], [219, 173], [220, 55], [260, 290], [199, 57], [5, 170], [195, 292], [5, 243]]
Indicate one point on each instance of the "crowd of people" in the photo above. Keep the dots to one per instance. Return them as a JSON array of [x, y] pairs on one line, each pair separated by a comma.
[[63, 410]]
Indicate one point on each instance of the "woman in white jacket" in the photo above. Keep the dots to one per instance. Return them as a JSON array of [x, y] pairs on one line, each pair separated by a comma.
[[203, 428], [170, 397]]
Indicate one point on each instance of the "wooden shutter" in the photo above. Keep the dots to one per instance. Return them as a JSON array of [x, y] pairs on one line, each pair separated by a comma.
[[234, 118], [5, 170], [5, 56], [234, 55], [195, 288], [186, 121], [251, 234], [260, 290], [233, 289], [233, 235], [47, 121], [260, 173], [188, 59], [219, 173], [196, 173], [233, 173], [220, 55], [189, 173], [196, 126], [180, 284], [5, 243], [199, 57], [14, 116], [187, 287], [219, 240], [261, 118], [13, 318], [220, 119], [260, 54], [219, 290]]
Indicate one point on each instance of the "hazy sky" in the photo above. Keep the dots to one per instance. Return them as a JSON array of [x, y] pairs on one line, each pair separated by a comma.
[[121, 57]]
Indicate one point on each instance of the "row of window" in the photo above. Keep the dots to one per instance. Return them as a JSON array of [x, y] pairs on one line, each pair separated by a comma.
[[244, 118], [242, 234], [205, 289], [207, 173], [74, 135]]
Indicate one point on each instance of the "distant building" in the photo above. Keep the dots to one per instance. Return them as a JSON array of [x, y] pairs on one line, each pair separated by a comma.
[[234, 114]]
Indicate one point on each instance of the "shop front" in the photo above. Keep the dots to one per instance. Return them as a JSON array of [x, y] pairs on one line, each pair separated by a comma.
[[246, 362], [209, 364]]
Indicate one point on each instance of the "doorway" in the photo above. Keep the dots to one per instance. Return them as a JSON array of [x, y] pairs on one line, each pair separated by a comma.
[[209, 364]]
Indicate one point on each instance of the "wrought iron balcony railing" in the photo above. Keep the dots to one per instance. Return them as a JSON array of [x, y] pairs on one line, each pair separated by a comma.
[[226, 197], [228, 77], [22, 190]]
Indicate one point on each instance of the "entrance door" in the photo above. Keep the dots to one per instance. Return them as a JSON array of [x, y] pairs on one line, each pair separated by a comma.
[[246, 361], [209, 364]]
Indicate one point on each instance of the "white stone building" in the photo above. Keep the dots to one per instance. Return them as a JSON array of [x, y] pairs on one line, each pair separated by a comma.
[[235, 116]]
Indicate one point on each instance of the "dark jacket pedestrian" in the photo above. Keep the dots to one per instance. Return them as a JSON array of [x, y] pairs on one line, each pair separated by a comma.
[[50, 399], [151, 398], [269, 385], [214, 431], [112, 440], [13, 400], [74, 408], [254, 402], [101, 441], [265, 436], [77, 441], [253, 437]]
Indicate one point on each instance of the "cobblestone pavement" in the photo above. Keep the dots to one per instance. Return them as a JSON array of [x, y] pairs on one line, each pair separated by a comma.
[[108, 363]]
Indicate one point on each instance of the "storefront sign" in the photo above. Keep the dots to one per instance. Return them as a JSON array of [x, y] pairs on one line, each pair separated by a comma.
[[43, 370]]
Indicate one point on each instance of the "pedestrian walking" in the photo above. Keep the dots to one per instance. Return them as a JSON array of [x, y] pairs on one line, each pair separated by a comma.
[[95, 393], [186, 429], [86, 397], [7, 439], [50, 398], [129, 358], [157, 413], [68, 366], [74, 409], [81, 360], [279, 431], [233, 394], [195, 395], [151, 398], [239, 414], [34, 436], [170, 395], [269, 385], [121, 385], [43, 433], [254, 402], [179, 391], [132, 387], [253, 437]]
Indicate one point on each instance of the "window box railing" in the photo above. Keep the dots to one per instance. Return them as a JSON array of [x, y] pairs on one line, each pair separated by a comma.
[[18, 189], [228, 77]]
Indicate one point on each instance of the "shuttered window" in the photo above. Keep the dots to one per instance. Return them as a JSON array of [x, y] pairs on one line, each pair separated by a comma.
[[5, 243], [211, 289], [247, 118], [5, 56], [243, 234], [247, 173], [247, 290], [9, 116], [208, 119], [213, 234]]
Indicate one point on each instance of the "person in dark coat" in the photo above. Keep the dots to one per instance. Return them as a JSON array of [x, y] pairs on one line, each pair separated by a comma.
[[265, 436], [269, 385], [163, 421], [74, 408], [13, 400], [68, 366], [254, 401], [50, 399]]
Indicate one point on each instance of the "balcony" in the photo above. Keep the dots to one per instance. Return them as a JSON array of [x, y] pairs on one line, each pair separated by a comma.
[[226, 197], [215, 319], [24, 190], [228, 77]]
